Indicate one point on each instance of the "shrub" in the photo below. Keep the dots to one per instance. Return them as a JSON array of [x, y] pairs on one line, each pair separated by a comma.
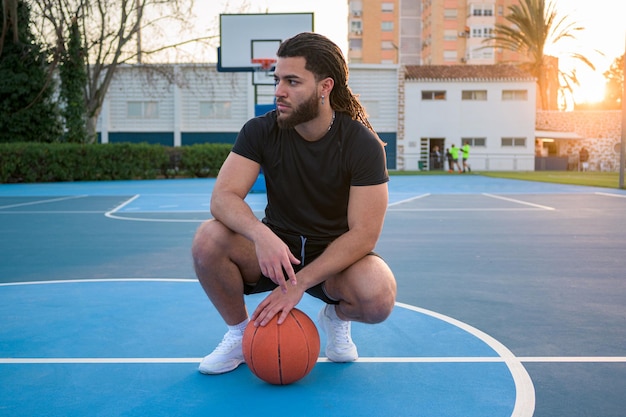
[[48, 162]]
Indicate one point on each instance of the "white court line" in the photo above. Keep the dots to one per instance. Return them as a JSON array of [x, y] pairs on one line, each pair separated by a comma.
[[464, 209], [518, 201], [73, 281], [53, 212], [524, 387], [124, 204], [472, 359], [51, 200], [611, 195], [112, 214], [147, 219], [408, 199]]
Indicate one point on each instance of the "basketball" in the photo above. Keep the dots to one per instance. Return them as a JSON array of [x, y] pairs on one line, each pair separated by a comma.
[[282, 354]]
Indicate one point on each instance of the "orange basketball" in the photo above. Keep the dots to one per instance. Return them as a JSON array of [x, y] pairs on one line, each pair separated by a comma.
[[282, 354]]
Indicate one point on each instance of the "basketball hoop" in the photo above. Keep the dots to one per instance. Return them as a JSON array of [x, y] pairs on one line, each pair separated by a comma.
[[266, 64]]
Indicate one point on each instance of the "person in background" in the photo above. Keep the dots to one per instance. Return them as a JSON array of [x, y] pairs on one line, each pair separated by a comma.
[[465, 149], [435, 158], [449, 159], [326, 181], [454, 152]]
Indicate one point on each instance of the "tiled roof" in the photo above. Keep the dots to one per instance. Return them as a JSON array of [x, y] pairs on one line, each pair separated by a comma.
[[497, 72]]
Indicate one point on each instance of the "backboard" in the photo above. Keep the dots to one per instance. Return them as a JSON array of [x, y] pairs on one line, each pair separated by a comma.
[[244, 37]]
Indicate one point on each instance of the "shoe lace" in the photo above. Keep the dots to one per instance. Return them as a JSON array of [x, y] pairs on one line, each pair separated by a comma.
[[228, 343], [341, 332]]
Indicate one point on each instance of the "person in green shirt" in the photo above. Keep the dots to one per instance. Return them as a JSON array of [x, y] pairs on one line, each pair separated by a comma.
[[454, 151], [465, 149]]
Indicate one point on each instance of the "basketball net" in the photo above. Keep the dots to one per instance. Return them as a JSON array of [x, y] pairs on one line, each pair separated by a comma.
[[266, 64]]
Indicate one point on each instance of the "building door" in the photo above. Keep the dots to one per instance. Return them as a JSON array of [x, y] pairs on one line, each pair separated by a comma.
[[432, 153]]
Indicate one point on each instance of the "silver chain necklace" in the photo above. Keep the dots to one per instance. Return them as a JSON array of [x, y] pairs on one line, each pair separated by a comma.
[[331, 121]]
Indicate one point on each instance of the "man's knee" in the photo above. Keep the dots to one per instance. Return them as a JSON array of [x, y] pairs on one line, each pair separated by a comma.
[[207, 240], [370, 289], [379, 308]]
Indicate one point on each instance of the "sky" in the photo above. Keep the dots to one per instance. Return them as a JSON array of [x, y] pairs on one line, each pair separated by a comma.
[[604, 22]]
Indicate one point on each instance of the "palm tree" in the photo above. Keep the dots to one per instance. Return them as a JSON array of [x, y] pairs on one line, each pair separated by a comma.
[[535, 25]]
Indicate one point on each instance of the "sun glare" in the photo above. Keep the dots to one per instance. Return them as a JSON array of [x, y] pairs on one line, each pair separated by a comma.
[[591, 88]]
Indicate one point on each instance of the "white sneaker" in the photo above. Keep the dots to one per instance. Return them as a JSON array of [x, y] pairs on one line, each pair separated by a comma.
[[227, 356], [339, 345]]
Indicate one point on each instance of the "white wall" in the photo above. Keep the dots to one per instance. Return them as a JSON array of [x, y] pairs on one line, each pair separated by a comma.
[[454, 119], [179, 90], [179, 102], [377, 88]]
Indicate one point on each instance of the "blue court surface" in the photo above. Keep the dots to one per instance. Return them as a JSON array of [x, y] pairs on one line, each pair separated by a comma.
[[511, 302]]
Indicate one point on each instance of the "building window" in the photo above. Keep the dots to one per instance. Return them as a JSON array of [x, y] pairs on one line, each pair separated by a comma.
[[386, 26], [449, 14], [387, 7], [356, 8], [479, 53], [482, 32], [356, 44], [433, 95], [475, 142], [142, 110], [214, 109], [387, 45], [450, 56], [450, 35], [356, 26], [474, 95], [514, 95], [482, 10], [513, 142]]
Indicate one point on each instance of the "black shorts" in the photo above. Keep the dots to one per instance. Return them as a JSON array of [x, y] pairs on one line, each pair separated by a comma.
[[306, 250]]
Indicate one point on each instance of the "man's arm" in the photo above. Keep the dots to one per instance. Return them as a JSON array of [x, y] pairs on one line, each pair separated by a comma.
[[366, 214], [233, 183]]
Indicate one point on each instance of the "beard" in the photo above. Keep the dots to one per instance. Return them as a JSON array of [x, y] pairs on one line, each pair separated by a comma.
[[302, 113]]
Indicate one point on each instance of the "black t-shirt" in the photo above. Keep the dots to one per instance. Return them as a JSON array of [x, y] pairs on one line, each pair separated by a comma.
[[308, 183]]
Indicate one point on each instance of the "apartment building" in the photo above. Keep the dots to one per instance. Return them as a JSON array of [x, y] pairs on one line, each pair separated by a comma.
[[374, 35], [426, 32]]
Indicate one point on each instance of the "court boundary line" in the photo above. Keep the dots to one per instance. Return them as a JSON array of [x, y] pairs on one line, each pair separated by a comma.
[[54, 212], [610, 194], [513, 200], [464, 209], [384, 359], [408, 200], [524, 389], [50, 200], [112, 214], [80, 281]]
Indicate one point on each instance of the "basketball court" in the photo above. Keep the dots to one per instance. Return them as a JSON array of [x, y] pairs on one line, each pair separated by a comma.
[[510, 303]]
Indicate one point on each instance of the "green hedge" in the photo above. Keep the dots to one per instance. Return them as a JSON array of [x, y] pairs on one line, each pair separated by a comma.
[[44, 162]]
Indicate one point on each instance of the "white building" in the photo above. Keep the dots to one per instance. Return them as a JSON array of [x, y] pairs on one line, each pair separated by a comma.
[[492, 107], [412, 108]]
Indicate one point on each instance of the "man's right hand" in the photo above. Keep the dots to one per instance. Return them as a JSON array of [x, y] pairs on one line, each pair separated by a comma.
[[275, 258]]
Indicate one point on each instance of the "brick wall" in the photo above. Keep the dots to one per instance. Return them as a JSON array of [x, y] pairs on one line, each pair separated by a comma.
[[602, 131]]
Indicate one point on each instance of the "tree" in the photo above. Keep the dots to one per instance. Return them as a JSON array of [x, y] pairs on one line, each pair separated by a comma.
[[27, 109], [615, 84], [112, 32], [73, 76], [9, 20], [533, 26]]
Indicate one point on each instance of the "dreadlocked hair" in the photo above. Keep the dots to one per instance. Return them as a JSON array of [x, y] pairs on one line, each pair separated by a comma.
[[324, 59]]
